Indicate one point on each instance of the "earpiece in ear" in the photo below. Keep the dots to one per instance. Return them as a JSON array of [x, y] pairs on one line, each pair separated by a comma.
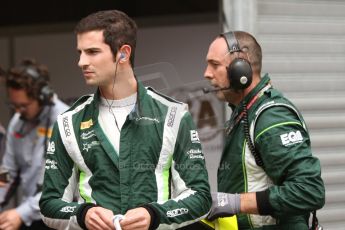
[[122, 55]]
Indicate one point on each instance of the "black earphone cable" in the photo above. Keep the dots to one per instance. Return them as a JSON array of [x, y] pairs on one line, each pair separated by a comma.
[[251, 146], [113, 97]]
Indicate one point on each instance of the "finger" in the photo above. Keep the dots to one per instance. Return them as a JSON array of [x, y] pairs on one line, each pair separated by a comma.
[[2, 184], [128, 220], [138, 224], [218, 215], [96, 223], [132, 226], [107, 219], [6, 226], [211, 218]]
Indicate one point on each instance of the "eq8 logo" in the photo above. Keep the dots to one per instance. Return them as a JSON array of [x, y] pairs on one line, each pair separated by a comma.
[[291, 138]]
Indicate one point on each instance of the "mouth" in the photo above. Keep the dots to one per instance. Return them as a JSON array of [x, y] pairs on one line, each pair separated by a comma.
[[88, 73]]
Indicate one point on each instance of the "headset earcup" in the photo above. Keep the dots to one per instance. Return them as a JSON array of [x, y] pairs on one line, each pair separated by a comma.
[[240, 74], [46, 95]]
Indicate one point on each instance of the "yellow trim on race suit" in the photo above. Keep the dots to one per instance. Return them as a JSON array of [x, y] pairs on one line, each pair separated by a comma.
[[226, 223]]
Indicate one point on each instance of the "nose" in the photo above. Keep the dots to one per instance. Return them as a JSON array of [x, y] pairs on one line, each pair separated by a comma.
[[82, 60], [208, 73]]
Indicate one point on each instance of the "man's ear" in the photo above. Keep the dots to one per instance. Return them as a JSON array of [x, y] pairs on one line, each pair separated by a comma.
[[125, 53]]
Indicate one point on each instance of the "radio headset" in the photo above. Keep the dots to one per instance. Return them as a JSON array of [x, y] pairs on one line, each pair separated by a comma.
[[240, 72], [240, 75], [44, 92]]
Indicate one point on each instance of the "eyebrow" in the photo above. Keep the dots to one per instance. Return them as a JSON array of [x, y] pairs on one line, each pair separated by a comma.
[[89, 49]]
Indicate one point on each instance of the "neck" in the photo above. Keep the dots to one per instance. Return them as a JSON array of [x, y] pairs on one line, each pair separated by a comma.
[[235, 97], [123, 86]]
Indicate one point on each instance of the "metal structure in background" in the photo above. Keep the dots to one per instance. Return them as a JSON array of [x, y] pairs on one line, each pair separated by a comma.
[[303, 46]]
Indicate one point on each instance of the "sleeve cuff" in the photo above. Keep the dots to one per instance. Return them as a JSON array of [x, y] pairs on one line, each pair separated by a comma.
[[263, 204], [154, 216], [81, 213], [24, 212]]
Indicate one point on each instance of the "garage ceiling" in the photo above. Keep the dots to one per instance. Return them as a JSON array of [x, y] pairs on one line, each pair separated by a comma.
[[18, 13]]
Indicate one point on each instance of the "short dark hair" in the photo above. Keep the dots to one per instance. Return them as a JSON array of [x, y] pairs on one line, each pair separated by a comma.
[[29, 76], [118, 29]]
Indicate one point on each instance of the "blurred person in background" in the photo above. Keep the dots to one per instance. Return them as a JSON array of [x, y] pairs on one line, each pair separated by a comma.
[[35, 107]]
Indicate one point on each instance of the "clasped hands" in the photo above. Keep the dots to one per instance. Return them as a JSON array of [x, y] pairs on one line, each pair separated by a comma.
[[99, 218]]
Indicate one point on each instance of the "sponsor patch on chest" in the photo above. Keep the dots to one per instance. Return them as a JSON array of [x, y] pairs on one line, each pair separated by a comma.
[[86, 124], [89, 145], [194, 137], [51, 148], [195, 153]]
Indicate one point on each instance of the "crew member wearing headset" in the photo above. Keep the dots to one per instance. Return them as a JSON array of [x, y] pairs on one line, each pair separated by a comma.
[[272, 180], [128, 149], [35, 107]]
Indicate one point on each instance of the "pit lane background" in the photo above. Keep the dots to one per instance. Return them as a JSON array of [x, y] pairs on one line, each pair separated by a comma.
[[304, 51]]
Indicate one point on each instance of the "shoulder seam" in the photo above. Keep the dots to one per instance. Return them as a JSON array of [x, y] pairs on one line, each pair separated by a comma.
[[269, 105], [170, 99]]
